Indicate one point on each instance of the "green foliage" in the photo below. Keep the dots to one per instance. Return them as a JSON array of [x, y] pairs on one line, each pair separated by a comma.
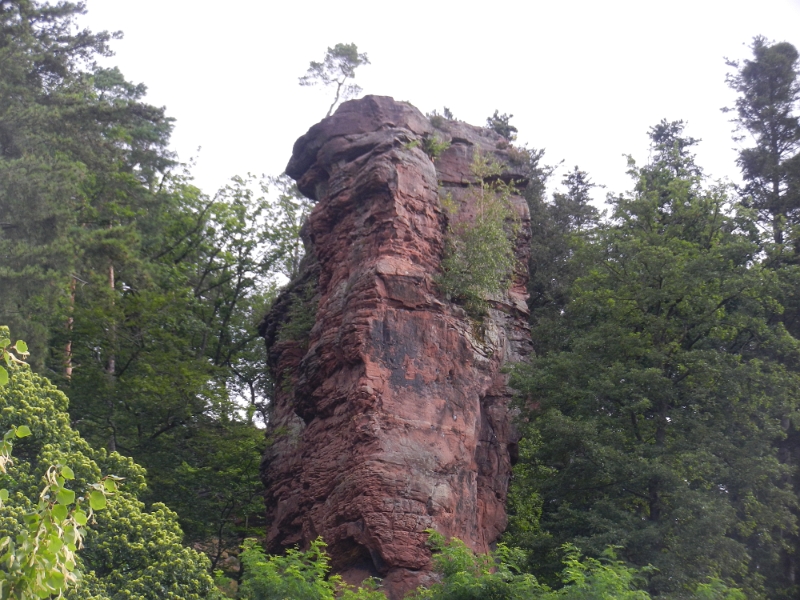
[[656, 411], [78, 150], [500, 124], [439, 121], [286, 215], [215, 489], [766, 113], [41, 560], [138, 294], [7, 354], [338, 66], [479, 258], [434, 146], [300, 575], [127, 552], [605, 578], [470, 576], [716, 589], [464, 576], [302, 312], [170, 369], [559, 229], [769, 92], [497, 576], [524, 503], [297, 575]]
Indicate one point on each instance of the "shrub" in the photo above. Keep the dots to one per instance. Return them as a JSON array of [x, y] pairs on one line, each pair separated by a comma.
[[302, 312], [479, 256], [128, 552], [434, 146], [297, 575]]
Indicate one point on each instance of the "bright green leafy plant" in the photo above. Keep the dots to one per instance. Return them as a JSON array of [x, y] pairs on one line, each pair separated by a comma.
[[41, 559], [479, 256], [298, 575], [470, 576], [434, 146], [47, 548], [499, 576]]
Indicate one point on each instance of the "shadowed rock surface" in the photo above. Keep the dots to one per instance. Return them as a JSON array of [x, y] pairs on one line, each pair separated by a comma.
[[391, 411]]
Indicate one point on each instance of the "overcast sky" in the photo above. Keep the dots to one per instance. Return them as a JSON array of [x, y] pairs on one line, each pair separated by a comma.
[[584, 79]]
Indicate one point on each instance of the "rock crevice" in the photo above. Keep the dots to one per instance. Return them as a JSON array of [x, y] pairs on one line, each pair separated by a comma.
[[390, 413]]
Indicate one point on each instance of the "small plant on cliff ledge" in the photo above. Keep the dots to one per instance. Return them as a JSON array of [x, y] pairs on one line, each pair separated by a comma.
[[302, 313], [434, 146], [479, 256], [440, 120], [500, 124]]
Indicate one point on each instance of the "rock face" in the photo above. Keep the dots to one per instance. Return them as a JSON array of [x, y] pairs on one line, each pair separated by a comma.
[[391, 411]]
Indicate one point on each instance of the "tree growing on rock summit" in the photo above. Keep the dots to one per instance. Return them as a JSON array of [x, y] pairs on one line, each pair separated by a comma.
[[338, 66]]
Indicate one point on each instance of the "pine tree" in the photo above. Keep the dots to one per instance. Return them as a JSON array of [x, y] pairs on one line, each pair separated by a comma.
[[769, 92], [558, 229], [655, 421]]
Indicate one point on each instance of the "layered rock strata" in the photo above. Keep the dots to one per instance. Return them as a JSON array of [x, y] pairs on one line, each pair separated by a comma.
[[391, 408]]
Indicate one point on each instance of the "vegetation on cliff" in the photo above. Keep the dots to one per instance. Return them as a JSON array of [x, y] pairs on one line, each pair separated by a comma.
[[479, 259]]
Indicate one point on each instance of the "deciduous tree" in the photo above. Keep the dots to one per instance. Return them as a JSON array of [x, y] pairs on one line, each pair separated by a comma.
[[128, 552]]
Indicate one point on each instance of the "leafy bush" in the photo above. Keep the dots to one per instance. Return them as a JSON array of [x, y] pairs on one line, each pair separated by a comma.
[[498, 576], [479, 256], [434, 146], [439, 121], [297, 575], [302, 312], [500, 124], [470, 576], [127, 553], [464, 576]]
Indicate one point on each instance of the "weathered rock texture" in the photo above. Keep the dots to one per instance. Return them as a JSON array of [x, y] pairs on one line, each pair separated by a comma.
[[391, 410]]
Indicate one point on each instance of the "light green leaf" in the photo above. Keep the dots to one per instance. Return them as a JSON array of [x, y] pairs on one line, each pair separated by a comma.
[[110, 485], [3, 376], [97, 500], [21, 347], [65, 496], [55, 580], [69, 535], [80, 517], [67, 473], [60, 512], [22, 431], [3, 495]]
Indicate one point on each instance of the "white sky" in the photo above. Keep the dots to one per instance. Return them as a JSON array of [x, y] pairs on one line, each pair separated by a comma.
[[584, 79]]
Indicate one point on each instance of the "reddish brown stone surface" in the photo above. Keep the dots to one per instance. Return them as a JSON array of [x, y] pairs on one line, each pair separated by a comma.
[[391, 412]]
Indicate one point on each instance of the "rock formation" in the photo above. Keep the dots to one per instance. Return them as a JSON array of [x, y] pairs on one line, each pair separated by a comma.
[[391, 408]]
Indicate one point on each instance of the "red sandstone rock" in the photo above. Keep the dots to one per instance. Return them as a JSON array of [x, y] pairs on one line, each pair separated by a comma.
[[391, 413]]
